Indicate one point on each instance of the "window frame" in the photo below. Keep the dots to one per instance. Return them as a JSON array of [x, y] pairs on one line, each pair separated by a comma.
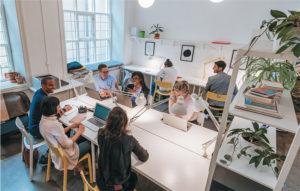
[[94, 38], [7, 46]]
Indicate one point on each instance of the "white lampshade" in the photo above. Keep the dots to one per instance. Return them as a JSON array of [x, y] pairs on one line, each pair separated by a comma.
[[199, 103], [146, 3], [141, 100], [216, 1], [178, 107]]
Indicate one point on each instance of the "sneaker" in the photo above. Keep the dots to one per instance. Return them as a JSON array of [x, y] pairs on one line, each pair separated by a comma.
[[44, 159]]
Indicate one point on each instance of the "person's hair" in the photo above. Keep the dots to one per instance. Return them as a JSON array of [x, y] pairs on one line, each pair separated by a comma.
[[100, 66], [141, 76], [221, 64], [115, 124], [168, 63], [49, 105], [182, 86], [45, 80]]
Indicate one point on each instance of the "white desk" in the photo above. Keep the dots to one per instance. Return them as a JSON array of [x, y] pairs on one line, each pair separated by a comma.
[[175, 161], [153, 72]]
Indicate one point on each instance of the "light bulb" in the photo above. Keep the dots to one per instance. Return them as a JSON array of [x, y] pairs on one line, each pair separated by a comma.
[[146, 3], [216, 1]]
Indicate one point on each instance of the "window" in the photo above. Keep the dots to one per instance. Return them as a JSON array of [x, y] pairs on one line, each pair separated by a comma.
[[87, 30], [6, 64]]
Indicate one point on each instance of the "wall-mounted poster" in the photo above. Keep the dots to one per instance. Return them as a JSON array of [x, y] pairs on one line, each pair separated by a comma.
[[244, 61], [187, 53], [149, 48]]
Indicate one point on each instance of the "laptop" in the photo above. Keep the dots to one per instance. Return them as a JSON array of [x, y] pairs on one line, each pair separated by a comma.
[[176, 122], [97, 121], [124, 100], [94, 94]]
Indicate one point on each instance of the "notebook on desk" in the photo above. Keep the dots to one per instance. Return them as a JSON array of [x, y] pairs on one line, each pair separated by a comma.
[[176, 122], [97, 121]]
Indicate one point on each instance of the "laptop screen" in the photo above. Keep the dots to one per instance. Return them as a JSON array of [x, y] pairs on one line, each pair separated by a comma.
[[101, 112]]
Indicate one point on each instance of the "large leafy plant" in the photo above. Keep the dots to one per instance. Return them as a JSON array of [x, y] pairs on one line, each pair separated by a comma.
[[263, 152], [285, 28], [259, 69]]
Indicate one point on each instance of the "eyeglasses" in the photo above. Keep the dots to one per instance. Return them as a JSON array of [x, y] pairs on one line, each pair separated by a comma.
[[105, 72], [135, 79]]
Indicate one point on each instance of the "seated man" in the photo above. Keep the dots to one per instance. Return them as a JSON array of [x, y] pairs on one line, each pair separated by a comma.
[[219, 83], [105, 82], [48, 86], [167, 74]]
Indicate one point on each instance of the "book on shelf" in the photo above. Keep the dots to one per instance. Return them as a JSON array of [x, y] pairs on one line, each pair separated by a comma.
[[249, 103], [276, 115], [259, 99], [277, 86], [264, 92]]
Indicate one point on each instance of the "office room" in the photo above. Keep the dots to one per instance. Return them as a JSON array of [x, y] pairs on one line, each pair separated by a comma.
[[150, 95]]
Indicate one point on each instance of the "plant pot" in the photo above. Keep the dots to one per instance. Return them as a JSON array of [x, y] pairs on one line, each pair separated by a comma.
[[245, 143], [142, 34], [156, 35]]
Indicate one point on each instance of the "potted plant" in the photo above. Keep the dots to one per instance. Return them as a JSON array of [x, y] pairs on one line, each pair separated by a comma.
[[258, 143], [285, 29], [259, 69], [156, 29]]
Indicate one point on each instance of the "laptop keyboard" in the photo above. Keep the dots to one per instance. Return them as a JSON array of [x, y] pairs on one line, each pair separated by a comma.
[[96, 123]]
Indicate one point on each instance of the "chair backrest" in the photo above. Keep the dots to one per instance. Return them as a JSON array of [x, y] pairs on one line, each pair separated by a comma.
[[163, 84], [59, 152], [22, 129], [216, 97], [87, 186]]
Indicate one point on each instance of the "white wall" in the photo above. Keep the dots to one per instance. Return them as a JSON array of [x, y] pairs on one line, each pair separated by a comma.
[[189, 20]]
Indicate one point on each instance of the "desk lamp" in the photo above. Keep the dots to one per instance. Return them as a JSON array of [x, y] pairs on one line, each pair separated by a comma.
[[178, 107]]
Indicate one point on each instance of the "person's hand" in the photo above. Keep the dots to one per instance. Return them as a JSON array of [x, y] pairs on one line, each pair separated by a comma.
[[67, 108], [81, 129], [103, 94], [131, 90], [75, 125]]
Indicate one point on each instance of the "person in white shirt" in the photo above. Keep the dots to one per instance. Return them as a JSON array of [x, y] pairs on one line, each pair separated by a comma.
[[181, 88], [54, 133], [167, 74]]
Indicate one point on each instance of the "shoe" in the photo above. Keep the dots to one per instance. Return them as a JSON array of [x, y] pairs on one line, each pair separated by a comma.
[[43, 159]]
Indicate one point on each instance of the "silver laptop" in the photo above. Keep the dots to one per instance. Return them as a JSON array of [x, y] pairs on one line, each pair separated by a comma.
[[94, 94], [97, 121], [124, 100], [176, 122]]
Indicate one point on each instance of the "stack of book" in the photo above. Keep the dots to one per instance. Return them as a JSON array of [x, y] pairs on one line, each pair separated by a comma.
[[262, 100]]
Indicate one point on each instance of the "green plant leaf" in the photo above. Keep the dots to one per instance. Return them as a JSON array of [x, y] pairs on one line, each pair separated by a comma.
[[285, 31], [256, 126], [278, 14], [223, 161], [253, 159], [263, 24], [282, 157], [265, 138], [258, 151], [296, 50], [267, 161], [228, 157], [231, 140], [239, 156], [283, 48], [253, 40], [276, 171], [272, 26]]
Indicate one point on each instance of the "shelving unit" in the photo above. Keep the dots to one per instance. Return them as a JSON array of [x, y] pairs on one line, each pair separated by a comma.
[[287, 123]]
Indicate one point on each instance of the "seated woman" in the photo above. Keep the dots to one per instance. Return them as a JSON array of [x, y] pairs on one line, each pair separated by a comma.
[[138, 86], [181, 88], [116, 146], [54, 133]]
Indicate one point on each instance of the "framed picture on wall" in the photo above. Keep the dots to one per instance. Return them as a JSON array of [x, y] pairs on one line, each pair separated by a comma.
[[244, 61], [187, 53], [149, 48]]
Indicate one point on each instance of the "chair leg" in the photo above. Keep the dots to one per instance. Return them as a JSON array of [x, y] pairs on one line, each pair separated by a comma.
[[158, 97], [85, 188], [31, 163], [22, 145], [48, 167], [153, 97], [90, 168], [65, 179]]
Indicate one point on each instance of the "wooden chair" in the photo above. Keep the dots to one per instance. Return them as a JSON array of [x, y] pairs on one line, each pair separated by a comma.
[[162, 85], [58, 152], [86, 185], [215, 97], [30, 143]]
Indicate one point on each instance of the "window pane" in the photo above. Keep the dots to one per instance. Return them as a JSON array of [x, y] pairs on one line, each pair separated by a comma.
[[71, 48], [86, 52], [101, 6], [70, 26], [102, 51], [85, 5], [102, 27], [85, 26], [69, 5]]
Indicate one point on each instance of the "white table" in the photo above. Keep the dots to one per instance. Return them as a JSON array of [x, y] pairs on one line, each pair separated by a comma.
[[152, 72], [175, 161]]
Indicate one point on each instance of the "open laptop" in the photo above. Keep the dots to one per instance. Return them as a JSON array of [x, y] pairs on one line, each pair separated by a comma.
[[176, 122], [94, 94], [97, 121], [124, 100]]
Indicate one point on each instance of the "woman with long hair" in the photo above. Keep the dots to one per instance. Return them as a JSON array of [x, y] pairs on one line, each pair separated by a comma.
[[138, 86], [114, 163]]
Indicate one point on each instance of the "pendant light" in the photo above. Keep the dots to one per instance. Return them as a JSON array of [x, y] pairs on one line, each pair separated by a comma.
[[216, 1], [146, 3]]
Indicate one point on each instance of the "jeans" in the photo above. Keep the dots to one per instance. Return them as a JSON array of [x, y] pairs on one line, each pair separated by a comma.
[[129, 185], [84, 147]]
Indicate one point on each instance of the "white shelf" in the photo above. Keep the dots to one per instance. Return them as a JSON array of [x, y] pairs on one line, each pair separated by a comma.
[[285, 107], [263, 174]]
